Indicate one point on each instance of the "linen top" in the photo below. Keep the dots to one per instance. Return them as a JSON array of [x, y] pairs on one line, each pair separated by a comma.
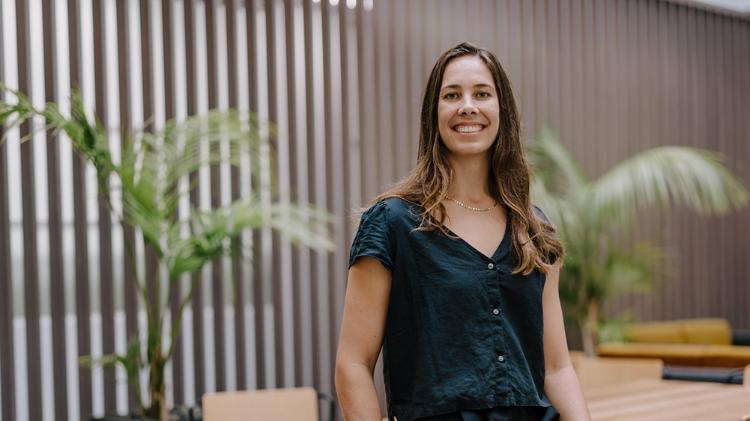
[[462, 331]]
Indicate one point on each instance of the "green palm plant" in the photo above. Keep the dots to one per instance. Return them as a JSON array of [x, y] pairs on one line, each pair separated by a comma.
[[150, 178], [590, 215]]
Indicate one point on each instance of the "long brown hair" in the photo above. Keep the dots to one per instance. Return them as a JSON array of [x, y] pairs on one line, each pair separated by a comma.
[[533, 240]]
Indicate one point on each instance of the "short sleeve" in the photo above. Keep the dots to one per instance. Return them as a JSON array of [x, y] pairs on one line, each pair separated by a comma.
[[372, 238], [541, 215]]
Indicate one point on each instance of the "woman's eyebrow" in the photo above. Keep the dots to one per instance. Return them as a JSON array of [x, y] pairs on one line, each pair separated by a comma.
[[456, 86]]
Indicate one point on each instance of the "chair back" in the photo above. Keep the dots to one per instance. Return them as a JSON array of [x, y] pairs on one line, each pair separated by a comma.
[[300, 404]]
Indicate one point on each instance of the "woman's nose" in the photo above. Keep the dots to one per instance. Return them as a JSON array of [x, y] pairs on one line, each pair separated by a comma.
[[468, 107]]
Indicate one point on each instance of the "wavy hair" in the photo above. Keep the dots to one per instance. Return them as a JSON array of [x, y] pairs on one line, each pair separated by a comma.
[[533, 239]]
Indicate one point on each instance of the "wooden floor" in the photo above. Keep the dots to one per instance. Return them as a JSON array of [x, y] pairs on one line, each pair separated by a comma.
[[650, 399]]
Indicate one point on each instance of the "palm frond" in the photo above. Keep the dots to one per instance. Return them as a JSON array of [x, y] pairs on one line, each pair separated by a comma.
[[555, 166], [669, 174]]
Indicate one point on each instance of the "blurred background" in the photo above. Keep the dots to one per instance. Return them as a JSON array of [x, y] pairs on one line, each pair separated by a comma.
[[341, 80]]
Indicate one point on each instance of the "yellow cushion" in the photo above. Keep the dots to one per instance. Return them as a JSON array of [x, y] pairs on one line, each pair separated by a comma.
[[714, 331], [680, 354]]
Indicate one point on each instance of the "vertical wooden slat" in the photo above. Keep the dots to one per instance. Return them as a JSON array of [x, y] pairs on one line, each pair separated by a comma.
[[500, 34], [717, 45], [274, 296], [700, 98], [326, 197], [540, 66], [646, 102], [195, 279], [316, 261], [577, 83], [321, 302], [258, 297], [335, 184], [665, 80], [526, 85], [737, 49], [366, 96], [83, 305], [305, 350], [565, 90], [130, 299], [383, 140], [174, 285], [346, 138], [298, 271], [147, 71], [515, 69], [30, 264], [105, 224], [307, 26], [217, 270], [682, 130], [417, 58], [6, 292], [8, 377], [743, 132], [236, 245], [399, 71], [57, 288], [591, 63], [553, 66]]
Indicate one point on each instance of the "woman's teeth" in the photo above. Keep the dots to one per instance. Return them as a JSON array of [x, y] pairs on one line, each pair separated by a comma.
[[468, 129]]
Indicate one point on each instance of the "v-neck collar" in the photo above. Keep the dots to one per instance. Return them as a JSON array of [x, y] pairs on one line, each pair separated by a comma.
[[496, 256], [500, 250]]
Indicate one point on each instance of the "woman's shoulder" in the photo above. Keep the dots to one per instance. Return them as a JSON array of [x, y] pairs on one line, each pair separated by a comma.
[[399, 208]]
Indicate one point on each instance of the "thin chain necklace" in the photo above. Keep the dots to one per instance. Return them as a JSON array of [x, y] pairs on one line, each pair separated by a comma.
[[472, 208]]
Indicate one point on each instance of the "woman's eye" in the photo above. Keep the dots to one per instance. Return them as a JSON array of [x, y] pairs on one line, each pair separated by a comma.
[[483, 95], [450, 95]]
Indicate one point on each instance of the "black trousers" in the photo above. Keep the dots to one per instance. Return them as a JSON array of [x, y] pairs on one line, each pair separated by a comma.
[[510, 413]]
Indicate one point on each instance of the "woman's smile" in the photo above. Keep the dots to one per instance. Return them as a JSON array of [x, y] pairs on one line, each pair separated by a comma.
[[466, 128]]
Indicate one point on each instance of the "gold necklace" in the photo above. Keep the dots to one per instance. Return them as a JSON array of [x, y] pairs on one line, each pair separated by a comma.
[[472, 208]]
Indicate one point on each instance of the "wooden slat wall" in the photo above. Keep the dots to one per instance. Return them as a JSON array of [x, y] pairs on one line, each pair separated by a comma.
[[7, 376], [343, 82]]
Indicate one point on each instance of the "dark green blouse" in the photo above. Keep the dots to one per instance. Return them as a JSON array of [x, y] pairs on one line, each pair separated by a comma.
[[462, 332]]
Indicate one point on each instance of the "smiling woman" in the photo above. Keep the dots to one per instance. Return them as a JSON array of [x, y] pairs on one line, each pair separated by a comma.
[[454, 273]]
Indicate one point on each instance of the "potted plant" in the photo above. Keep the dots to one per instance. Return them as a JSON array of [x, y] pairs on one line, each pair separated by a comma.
[[591, 214], [150, 177]]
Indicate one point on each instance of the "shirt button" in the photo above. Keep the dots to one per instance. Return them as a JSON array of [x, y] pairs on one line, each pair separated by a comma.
[[500, 358], [495, 311], [490, 266]]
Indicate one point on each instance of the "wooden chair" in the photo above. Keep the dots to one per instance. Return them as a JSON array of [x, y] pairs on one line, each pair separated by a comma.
[[595, 372], [299, 404]]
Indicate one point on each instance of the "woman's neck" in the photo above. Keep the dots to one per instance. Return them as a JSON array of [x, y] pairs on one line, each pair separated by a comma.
[[469, 183]]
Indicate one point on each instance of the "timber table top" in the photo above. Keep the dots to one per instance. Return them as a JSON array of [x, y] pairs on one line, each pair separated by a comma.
[[652, 400]]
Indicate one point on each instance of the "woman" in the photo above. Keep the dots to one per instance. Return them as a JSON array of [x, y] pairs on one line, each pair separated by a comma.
[[455, 274]]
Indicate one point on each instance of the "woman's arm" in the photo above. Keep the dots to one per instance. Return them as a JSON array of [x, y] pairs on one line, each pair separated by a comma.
[[361, 338], [560, 382]]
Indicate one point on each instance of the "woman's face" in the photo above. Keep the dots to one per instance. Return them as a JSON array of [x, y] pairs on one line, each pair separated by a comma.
[[468, 108]]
